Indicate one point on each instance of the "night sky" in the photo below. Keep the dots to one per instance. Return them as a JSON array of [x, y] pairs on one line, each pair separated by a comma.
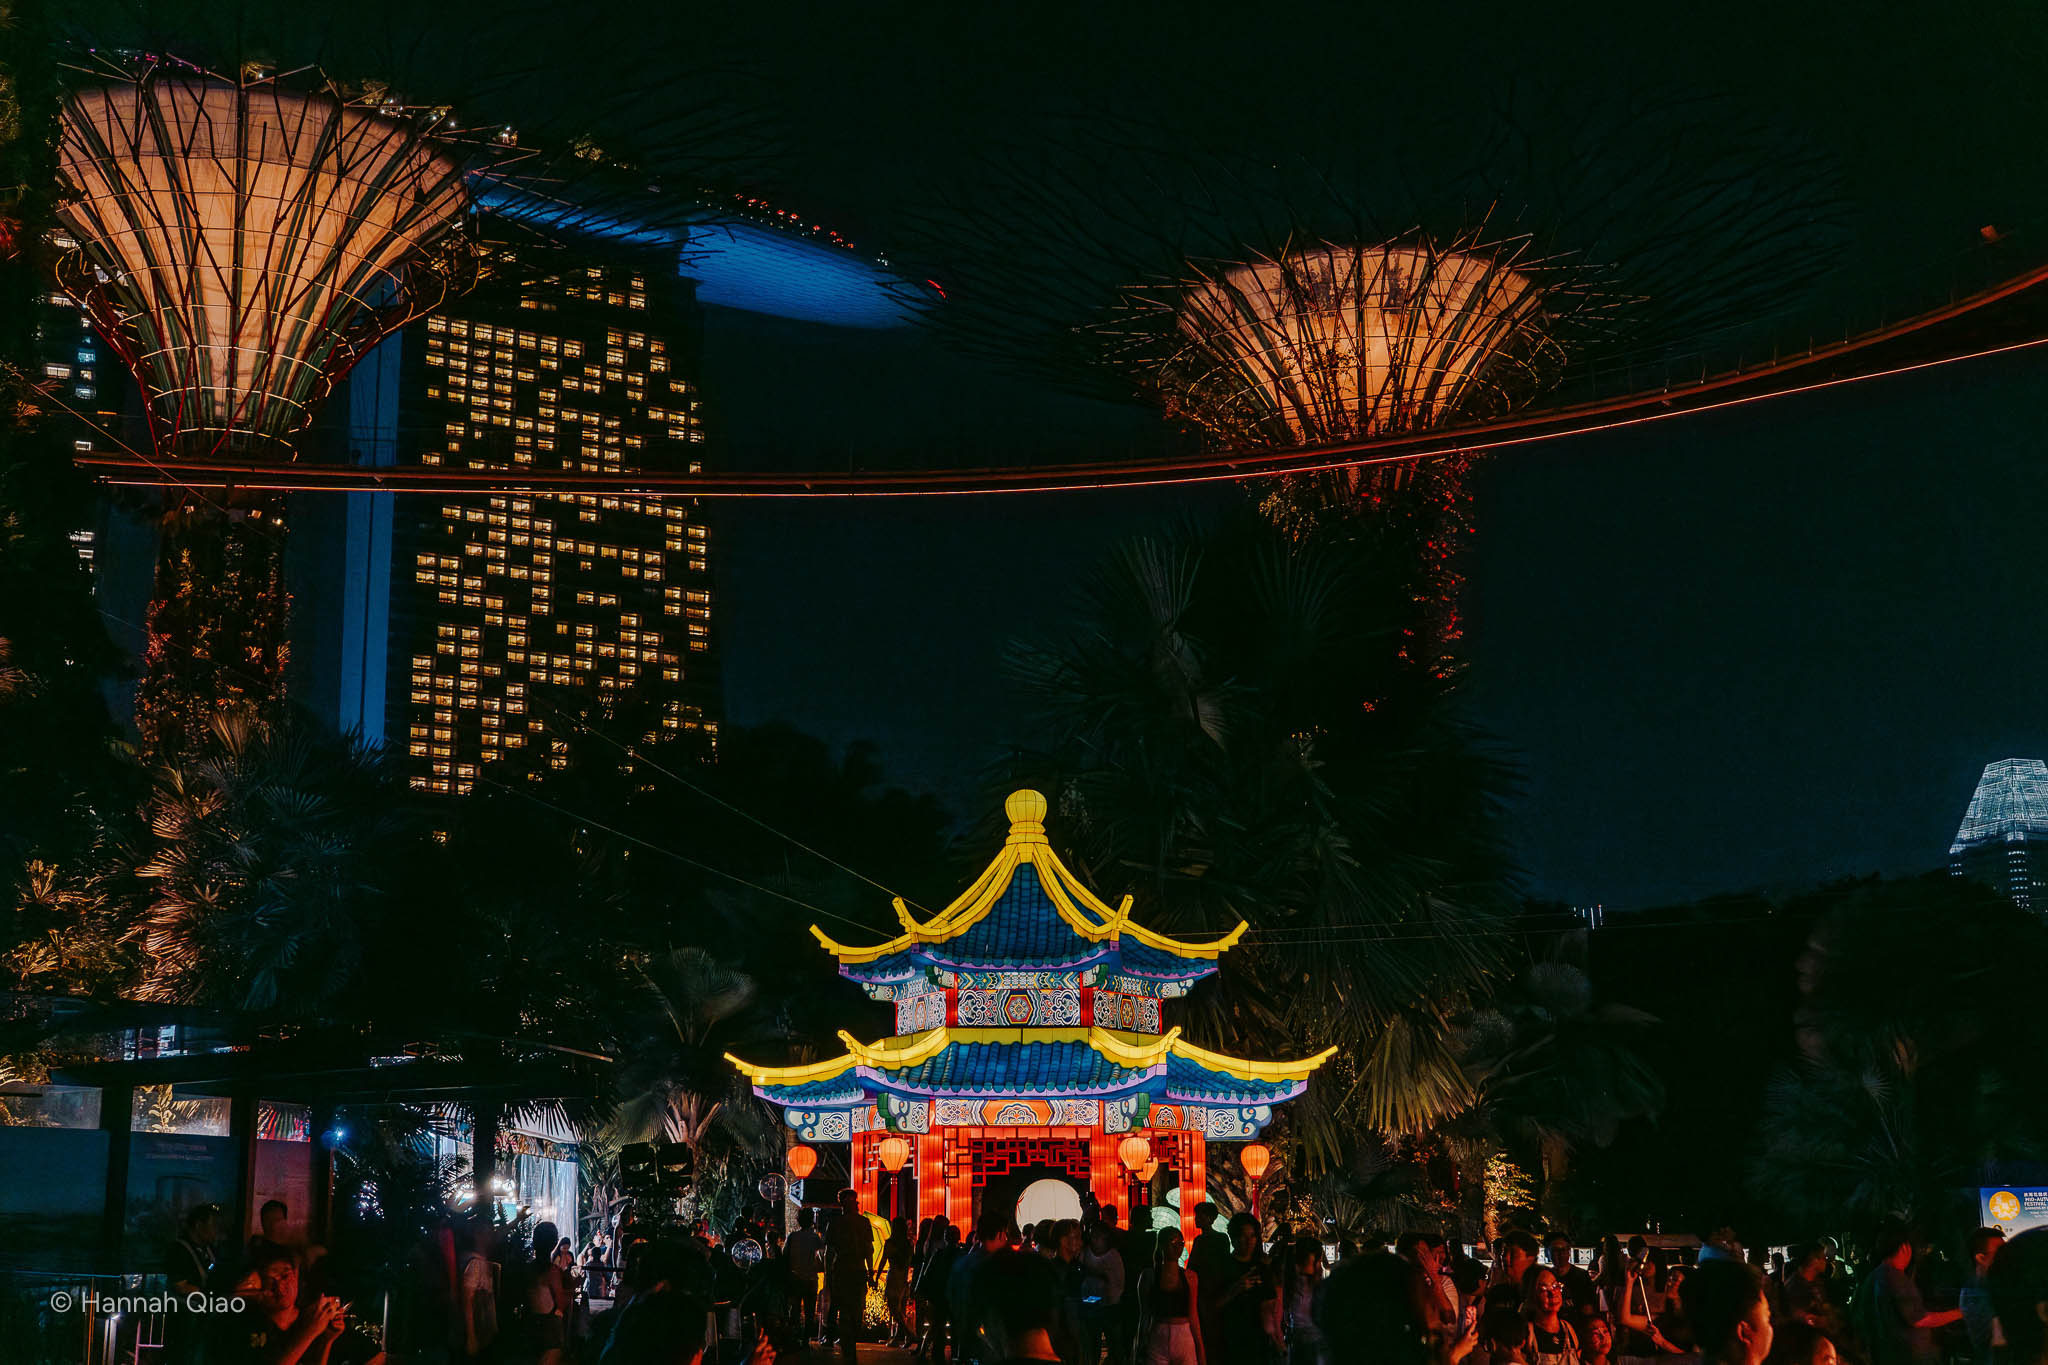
[[1755, 649]]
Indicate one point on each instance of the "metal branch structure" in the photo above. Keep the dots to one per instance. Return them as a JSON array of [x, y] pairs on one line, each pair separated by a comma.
[[242, 244], [1260, 300]]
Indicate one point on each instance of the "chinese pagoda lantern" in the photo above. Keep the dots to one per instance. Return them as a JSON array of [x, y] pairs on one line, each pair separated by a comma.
[[1255, 1158], [802, 1161], [892, 1152], [1134, 1152]]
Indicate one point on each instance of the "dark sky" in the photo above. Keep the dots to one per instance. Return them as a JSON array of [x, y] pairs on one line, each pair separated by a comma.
[[1760, 648]]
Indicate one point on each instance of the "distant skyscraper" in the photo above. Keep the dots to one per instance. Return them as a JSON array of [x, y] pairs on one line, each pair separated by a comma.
[[495, 599], [80, 380], [2003, 841]]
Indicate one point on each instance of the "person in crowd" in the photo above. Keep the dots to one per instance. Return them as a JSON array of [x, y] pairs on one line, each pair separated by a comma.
[[271, 1222], [1549, 1337], [1170, 1307], [1244, 1300], [1019, 1305], [1723, 1301], [1979, 1321], [2018, 1285], [1672, 1326], [806, 1253], [1801, 1343], [849, 1267], [276, 1330], [993, 1237], [1102, 1292], [899, 1258], [1722, 1245], [1301, 1282], [1373, 1313], [1513, 1256], [1599, 1341], [189, 1265], [1210, 1249], [1503, 1336], [661, 1317], [476, 1290], [550, 1297], [1898, 1328], [1579, 1298], [1805, 1294], [929, 1288], [1429, 1252]]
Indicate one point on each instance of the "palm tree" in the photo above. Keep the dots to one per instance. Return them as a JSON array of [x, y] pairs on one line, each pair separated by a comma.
[[263, 863], [1230, 733], [1917, 1062]]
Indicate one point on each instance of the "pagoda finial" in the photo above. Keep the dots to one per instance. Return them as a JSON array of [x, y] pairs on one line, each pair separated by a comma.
[[1026, 809]]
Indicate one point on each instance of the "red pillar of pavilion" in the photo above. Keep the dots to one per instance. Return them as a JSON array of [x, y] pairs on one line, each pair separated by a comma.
[[1194, 1180], [862, 1173], [931, 1176]]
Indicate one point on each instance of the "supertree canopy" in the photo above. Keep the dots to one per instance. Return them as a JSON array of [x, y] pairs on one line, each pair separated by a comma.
[[1300, 284], [242, 244], [1334, 342]]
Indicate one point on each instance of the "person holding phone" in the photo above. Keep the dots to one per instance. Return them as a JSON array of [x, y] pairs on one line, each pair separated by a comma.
[[275, 1330]]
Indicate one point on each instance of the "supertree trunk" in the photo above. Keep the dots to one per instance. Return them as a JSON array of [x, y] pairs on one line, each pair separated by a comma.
[[1420, 515], [218, 622]]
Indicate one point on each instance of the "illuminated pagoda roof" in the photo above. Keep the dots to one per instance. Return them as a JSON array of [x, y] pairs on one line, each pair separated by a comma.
[[1027, 1002], [1027, 912]]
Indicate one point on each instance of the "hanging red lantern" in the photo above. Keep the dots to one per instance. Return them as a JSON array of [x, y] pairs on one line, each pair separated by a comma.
[[1151, 1169], [1133, 1152], [802, 1161], [892, 1152], [1255, 1158]]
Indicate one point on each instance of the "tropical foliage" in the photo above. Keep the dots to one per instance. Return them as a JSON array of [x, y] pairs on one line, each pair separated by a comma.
[[1233, 736], [1916, 1066]]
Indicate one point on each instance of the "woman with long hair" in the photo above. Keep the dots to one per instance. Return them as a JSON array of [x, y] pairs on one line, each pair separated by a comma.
[[1169, 1307], [1550, 1340]]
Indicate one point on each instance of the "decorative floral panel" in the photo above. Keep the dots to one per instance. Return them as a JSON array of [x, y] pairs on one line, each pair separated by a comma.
[[1016, 1008], [1132, 1013]]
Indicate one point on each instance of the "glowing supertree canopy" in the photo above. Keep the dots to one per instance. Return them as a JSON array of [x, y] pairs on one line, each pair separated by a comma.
[[1337, 342], [242, 244]]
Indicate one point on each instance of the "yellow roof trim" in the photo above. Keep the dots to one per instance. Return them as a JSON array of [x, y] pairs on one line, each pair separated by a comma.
[[1137, 1051], [792, 1075], [1182, 947], [1084, 912], [1251, 1071]]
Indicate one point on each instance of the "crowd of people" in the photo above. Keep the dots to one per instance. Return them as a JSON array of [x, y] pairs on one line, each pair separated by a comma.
[[1093, 1291], [1082, 1292]]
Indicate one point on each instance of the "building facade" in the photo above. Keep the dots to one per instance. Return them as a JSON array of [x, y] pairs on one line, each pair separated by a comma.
[[1030, 1042], [2003, 840], [493, 601]]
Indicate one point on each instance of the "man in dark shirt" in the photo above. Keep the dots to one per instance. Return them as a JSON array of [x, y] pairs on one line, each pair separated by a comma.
[[849, 1266], [1020, 1302], [992, 1238], [276, 1331], [1579, 1298], [1897, 1325]]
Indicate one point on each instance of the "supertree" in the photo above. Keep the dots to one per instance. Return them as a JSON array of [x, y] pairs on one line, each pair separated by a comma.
[[242, 236], [1306, 282]]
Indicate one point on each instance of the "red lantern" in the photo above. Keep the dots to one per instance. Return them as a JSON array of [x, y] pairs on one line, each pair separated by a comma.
[[1134, 1152], [1151, 1169], [802, 1161], [1255, 1158], [892, 1152]]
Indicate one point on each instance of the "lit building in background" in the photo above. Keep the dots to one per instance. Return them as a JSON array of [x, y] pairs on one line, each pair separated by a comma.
[[496, 600], [81, 380], [2003, 840]]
